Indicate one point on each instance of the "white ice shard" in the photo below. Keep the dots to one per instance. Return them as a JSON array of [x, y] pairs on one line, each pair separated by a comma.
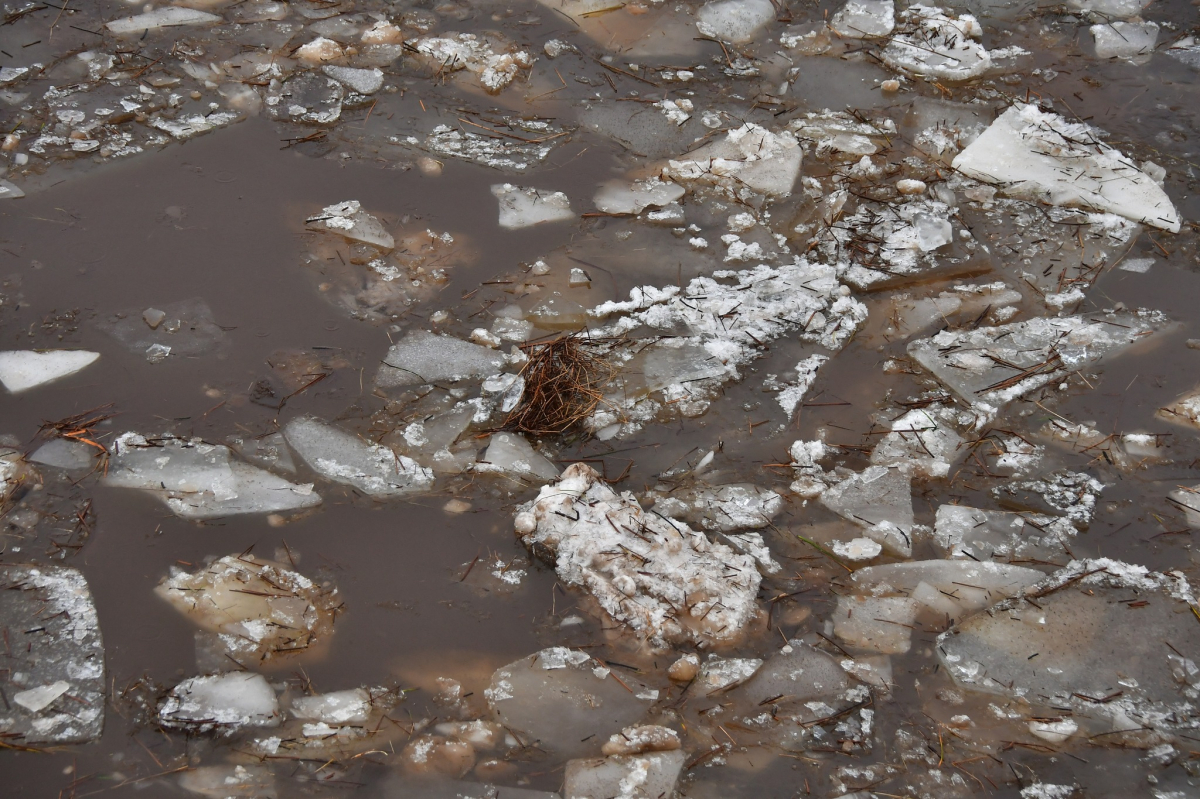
[[522, 207], [21, 370], [989, 367], [1037, 155], [879, 499], [467, 51], [349, 220], [165, 17], [653, 774], [345, 458], [222, 702], [619, 197], [363, 81], [736, 21], [750, 157], [930, 43], [258, 609], [339, 707], [197, 480], [923, 438], [725, 508], [966, 585], [792, 394], [424, 357], [865, 19], [666, 581], [1129, 41], [511, 454]]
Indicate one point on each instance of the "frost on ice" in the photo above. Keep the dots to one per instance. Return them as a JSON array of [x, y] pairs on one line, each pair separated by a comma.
[[1037, 155], [666, 581], [53, 675], [256, 609]]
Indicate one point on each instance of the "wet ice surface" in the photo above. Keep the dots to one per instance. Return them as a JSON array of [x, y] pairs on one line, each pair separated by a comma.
[[886, 485]]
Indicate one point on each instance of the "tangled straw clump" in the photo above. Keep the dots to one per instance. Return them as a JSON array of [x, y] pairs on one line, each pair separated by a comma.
[[563, 382]]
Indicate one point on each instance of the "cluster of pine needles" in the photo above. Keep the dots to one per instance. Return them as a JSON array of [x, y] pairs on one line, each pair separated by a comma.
[[564, 379]]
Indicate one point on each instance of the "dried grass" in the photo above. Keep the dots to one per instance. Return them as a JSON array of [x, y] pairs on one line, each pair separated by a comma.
[[563, 383]]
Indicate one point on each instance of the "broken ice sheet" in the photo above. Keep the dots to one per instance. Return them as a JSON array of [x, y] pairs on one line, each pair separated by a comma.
[[1090, 638], [746, 159], [666, 581], [197, 480], [258, 609], [879, 499], [1130, 41], [864, 19], [536, 139], [619, 197], [564, 701], [953, 588], [930, 43], [831, 132], [526, 207], [652, 774], [1063, 493], [343, 457], [224, 703], [423, 357], [54, 675], [349, 220], [21, 370], [923, 438], [1040, 156], [988, 367], [510, 454], [188, 329], [165, 17], [981, 535]]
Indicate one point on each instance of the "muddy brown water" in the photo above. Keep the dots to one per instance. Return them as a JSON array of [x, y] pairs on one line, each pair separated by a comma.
[[220, 218]]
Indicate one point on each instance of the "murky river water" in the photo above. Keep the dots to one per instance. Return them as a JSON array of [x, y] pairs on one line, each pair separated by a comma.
[[146, 219]]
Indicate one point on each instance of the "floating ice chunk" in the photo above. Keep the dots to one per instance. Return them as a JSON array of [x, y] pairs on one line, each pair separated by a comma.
[[864, 19], [201, 481], [564, 700], [21, 370], [189, 125], [857, 550], [1056, 732], [54, 670], [349, 220], [456, 51], [792, 395], [991, 366], [1188, 499], [63, 453], [840, 132], [165, 17], [642, 739], [648, 775], [10, 190], [876, 624], [526, 207], [424, 357], [922, 438], [511, 155], [1109, 9], [980, 535], [258, 609], [340, 707], [878, 495], [1089, 640], [227, 782], [720, 674], [727, 508], [736, 21], [1139, 266], [319, 50], [617, 197], [1129, 41], [930, 43], [363, 81], [970, 586], [307, 97], [668, 582], [1063, 493], [1046, 790], [750, 157], [1186, 50], [795, 675], [810, 476], [222, 702], [345, 458], [188, 330], [1039, 156], [511, 454], [11, 74]]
